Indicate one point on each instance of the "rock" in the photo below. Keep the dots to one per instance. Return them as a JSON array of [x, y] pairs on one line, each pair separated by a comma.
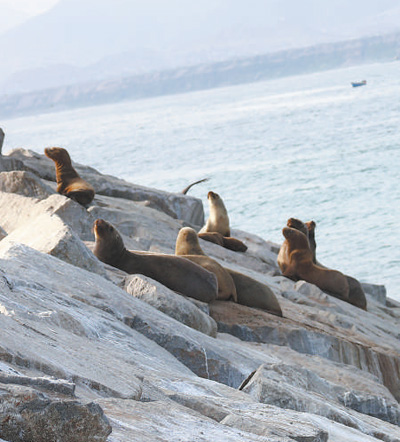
[[28, 415], [183, 207], [48, 234], [73, 336], [157, 421], [170, 303], [152, 230], [272, 422], [24, 183], [378, 292], [345, 336], [53, 385], [3, 233], [296, 388]]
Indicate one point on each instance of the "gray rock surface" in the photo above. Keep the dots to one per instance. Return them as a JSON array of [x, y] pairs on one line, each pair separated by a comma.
[[152, 360], [170, 303]]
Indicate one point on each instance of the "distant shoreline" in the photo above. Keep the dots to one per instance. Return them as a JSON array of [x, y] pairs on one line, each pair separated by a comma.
[[205, 76]]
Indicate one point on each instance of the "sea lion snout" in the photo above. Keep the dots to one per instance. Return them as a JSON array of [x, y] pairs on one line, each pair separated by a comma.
[[212, 195]]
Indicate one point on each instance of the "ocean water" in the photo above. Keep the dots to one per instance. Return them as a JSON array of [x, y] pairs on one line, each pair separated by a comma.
[[308, 146]]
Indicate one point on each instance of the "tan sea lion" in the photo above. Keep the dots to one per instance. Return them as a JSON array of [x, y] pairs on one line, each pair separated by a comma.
[[297, 263], [228, 242], [218, 220], [69, 183], [249, 291], [175, 272], [187, 245]]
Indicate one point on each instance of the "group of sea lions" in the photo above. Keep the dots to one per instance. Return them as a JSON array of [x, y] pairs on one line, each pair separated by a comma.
[[190, 271]]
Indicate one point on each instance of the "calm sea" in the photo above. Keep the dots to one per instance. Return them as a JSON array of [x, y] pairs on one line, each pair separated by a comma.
[[309, 146]]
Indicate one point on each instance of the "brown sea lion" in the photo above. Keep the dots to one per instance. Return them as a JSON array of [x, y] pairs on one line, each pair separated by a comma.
[[299, 265], [356, 293], [249, 291], [69, 183], [187, 245], [228, 242], [177, 273], [218, 220]]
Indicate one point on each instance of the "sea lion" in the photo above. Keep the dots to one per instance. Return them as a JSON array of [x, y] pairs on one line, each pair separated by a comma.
[[69, 183], [228, 242], [254, 294], [249, 291], [297, 263], [218, 220], [175, 272], [356, 293], [187, 245]]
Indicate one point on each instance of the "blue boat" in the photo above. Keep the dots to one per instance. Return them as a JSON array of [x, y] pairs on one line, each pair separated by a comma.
[[359, 83]]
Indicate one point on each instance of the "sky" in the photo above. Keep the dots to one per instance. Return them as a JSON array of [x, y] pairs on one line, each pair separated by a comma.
[[31, 7]]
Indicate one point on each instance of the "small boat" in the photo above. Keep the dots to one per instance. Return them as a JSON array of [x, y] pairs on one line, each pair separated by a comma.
[[359, 83]]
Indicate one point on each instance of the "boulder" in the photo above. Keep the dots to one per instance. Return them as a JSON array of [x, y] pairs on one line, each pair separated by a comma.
[[48, 234], [172, 304], [24, 183], [27, 415]]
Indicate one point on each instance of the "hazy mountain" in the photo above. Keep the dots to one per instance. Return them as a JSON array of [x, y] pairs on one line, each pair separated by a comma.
[[85, 40]]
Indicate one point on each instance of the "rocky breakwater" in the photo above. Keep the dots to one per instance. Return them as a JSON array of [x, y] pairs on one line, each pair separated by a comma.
[[88, 352]]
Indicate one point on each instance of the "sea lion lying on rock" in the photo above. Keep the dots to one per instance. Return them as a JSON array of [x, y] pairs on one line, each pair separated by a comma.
[[356, 293], [175, 272], [295, 260], [69, 183], [224, 241], [249, 291]]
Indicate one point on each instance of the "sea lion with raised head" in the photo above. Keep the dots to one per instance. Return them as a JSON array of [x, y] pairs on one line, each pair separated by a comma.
[[69, 183], [218, 220], [228, 242], [297, 263], [175, 272], [249, 291], [187, 245]]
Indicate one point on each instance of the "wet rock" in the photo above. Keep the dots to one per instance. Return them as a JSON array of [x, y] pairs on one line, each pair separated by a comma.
[[174, 305]]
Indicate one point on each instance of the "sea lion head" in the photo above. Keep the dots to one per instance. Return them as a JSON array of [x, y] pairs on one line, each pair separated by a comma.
[[109, 244], [212, 195], [187, 242], [311, 225], [297, 224], [58, 154], [296, 239]]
